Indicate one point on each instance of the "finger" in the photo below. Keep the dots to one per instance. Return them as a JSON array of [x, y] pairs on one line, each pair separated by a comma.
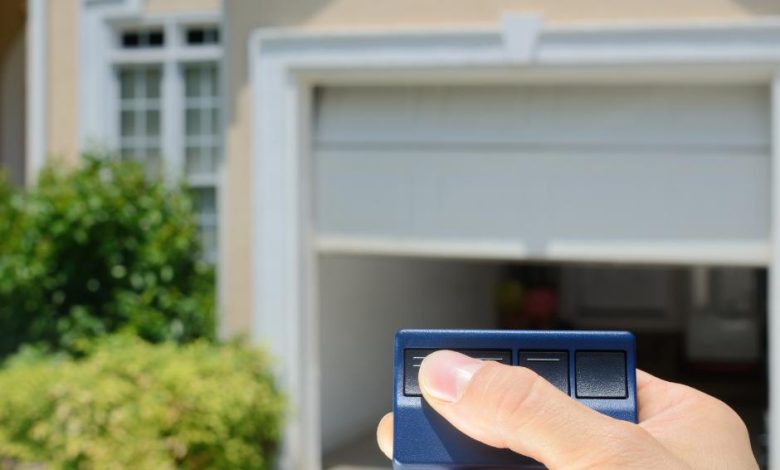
[[652, 394], [384, 435], [513, 407]]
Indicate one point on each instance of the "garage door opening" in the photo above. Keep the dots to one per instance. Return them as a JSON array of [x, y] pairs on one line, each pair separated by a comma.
[[416, 187], [705, 327]]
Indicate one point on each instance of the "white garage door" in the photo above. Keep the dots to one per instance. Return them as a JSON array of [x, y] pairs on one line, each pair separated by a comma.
[[656, 172]]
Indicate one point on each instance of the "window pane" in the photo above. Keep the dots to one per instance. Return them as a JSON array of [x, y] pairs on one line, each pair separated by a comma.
[[127, 124], [202, 133], [192, 161], [201, 35], [153, 83], [211, 160], [196, 36], [153, 163], [153, 123], [208, 236], [156, 38], [126, 84], [192, 124], [205, 201], [211, 81], [140, 124], [192, 82], [142, 38], [214, 121], [131, 40]]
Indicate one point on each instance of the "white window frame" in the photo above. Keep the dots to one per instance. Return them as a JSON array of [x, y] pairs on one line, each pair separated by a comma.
[[287, 66], [97, 126], [171, 57]]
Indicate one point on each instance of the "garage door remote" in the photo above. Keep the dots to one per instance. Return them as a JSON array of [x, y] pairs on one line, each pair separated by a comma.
[[596, 368]]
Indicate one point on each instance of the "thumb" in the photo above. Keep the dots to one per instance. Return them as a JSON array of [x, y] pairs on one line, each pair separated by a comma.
[[512, 407]]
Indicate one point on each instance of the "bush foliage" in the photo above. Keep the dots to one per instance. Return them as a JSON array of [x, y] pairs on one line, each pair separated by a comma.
[[100, 249], [130, 404]]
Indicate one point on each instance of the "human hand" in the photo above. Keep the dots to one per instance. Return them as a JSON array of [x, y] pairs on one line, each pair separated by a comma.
[[512, 407]]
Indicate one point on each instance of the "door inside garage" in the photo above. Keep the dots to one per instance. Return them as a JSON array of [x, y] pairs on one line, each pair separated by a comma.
[[641, 206]]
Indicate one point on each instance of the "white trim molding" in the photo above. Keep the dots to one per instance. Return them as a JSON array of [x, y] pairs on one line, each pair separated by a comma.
[[287, 65], [773, 320], [37, 37], [95, 84]]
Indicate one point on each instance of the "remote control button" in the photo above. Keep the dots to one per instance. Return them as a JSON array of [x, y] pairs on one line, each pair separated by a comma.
[[601, 374], [553, 366], [413, 359]]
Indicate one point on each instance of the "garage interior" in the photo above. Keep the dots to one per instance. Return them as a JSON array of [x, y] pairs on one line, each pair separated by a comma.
[[638, 206], [705, 327]]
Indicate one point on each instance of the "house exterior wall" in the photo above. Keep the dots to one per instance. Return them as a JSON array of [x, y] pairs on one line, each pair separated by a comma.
[[62, 80], [242, 17], [161, 7]]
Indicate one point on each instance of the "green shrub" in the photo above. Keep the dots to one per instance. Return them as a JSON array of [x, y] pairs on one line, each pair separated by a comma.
[[100, 249], [130, 404]]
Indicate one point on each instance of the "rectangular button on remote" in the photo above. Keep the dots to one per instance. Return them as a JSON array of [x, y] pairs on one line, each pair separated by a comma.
[[601, 374], [413, 359], [552, 366]]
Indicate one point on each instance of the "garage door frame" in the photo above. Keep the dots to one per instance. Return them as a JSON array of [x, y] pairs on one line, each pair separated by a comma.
[[285, 68]]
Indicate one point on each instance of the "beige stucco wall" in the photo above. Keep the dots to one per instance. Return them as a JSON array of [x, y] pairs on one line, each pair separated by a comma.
[[347, 13], [244, 16], [177, 6], [62, 80]]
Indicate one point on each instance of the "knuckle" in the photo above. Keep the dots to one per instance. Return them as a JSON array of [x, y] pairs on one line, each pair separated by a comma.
[[518, 404], [501, 399]]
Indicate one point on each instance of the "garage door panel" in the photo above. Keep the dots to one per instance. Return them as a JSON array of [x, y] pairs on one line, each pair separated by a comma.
[[537, 168], [685, 197], [359, 195], [649, 116], [535, 197]]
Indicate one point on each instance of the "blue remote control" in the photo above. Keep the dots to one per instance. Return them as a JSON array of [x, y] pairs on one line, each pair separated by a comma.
[[597, 368]]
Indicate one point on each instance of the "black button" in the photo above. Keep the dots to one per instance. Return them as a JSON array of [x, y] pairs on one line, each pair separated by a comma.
[[552, 366], [601, 374], [413, 359]]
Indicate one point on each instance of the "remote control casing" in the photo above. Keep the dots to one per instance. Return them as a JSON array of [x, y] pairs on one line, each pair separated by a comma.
[[423, 440]]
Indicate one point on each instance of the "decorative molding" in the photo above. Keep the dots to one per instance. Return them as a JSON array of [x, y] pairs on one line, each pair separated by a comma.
[[520, 36]]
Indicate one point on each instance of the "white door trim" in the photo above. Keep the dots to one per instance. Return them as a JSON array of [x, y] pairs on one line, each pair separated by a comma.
[[286, 65], [773, 320], [37, 91]]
